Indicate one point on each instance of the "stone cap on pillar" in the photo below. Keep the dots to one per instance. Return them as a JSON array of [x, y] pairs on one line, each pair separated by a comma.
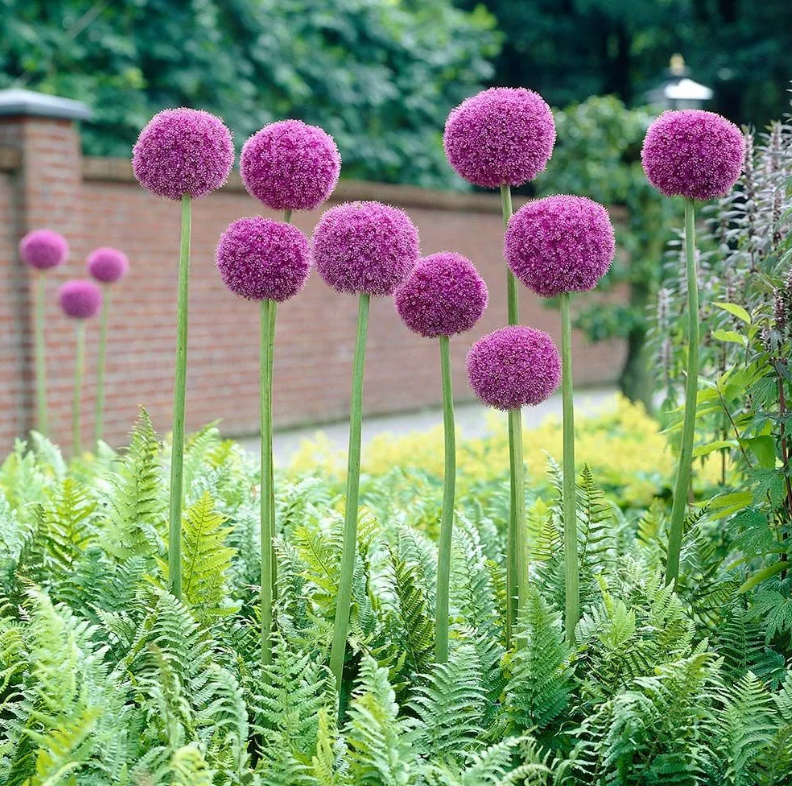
[[17, 101]]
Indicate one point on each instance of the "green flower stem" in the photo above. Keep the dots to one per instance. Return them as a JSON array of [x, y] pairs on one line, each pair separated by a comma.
[[41, 354], [344, 601], [572, 606], [79, 362], [266, 349], [513, 305], [447, 516], [521, 539], [100, 368], [179, 390], [691, 390]]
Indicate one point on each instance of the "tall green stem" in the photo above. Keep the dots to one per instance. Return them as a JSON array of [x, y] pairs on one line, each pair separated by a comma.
[[691, 390], [266, 350], [353, 488], [179, 391], [100, 368], [520, 541], [513, 305], [572, 606], [447, 516], [41, 354], [79, 362]]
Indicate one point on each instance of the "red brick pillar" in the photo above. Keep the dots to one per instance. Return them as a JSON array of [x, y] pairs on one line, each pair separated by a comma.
[[40, 187]]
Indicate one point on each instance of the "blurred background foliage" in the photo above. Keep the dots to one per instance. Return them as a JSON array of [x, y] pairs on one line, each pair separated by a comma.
[[379, 75]]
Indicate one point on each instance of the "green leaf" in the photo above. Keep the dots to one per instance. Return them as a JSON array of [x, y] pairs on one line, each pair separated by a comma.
[[735, 310], [721, 444], [765, 573], [763, 448], [731, 336]]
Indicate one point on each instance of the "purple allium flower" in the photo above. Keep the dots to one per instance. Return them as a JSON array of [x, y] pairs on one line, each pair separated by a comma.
[[290, 165], [693, 153], [183, 151], [514, 367], [442, 296], [262, 259], [107, 265], [365, 247], [502, 136], [43, 249], [80, 299], [560, 244]]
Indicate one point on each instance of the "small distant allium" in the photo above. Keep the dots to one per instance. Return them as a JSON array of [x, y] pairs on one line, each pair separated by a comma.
[[502, 136], [693, 153], [290, 165], [80, 299], [442, 296], [107, 265], [183, 151], [560, 244], [43, 249], [514, 367], [262, 259], [365, 247]]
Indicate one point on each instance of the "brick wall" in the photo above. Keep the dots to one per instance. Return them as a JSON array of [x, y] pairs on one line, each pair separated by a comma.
[[43, 182]]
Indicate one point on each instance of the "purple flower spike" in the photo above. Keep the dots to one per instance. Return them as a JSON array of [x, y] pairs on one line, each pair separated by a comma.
[[443, 295], [365, 248], [514, 367], [693, 153], [80, 299], [560, 244], [107, 265], [262, 259], [43, 249], [183, 151], [290, 165], [502, 136]]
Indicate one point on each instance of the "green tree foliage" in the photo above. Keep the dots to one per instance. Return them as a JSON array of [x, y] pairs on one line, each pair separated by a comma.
[[572, 49], [380, 76]]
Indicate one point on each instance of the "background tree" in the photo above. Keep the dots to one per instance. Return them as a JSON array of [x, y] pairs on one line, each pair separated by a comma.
[[571, 49], [380, 76]]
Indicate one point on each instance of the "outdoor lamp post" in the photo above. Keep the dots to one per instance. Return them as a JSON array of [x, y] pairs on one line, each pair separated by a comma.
[[679, 91]]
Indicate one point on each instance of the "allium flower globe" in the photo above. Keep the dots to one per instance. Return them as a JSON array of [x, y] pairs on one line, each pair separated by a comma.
[[514, 367], [365, 248], [107, 265], [693, 153], [560, 244], [502, 136], [80, 299], [290, 165], [442, 296], [183, 151], [43, 249], [262, 259]]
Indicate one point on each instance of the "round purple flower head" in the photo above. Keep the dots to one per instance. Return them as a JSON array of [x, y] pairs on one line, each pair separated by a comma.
[[290, 165], [365, 247], [560, 244], [183, 151], [693, 153], [43, 249], [514, 367], [262, 259], [442, 296], [80, 299], [502, 136], [107, 265]]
